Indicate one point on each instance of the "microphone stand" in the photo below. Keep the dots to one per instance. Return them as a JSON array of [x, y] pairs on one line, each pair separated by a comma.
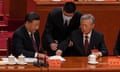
[[39, 63], [45, 64]]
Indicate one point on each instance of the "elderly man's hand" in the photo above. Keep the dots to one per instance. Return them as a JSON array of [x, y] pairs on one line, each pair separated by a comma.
[[41, 56], [59, 52], [70, 44], [54, 46]]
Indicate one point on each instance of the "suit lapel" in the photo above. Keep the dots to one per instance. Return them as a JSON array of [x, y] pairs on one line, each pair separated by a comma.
[[81, 44], [26, 33], [36, 39], [27, 37], [60, 21], [71, 23], [92, 41]]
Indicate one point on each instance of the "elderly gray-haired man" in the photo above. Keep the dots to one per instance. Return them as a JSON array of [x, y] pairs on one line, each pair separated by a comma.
[[86, 40]]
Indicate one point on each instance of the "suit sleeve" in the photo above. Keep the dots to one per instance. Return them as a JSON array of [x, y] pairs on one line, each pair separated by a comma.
[[18, 47], [64, 44], [117, 46], [102, 46], [40, 49]]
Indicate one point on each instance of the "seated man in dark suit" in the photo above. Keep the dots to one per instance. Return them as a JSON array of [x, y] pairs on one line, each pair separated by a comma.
[[117, 47], [87, 40], [59, 25], [26, 39]]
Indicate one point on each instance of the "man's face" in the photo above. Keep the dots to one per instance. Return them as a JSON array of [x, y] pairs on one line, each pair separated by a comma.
[[86, 26], [34, 25]]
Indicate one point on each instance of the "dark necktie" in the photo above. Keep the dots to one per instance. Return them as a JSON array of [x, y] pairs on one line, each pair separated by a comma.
[[66, 23], [86, 45], [34, 43]]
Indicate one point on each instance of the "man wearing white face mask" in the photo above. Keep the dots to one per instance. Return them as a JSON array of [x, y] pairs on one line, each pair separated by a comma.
[[59, 25]]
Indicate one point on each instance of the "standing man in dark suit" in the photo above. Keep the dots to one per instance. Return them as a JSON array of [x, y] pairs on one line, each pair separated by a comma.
[[26, 39], [60, 23], [117, 46], [86, 41]]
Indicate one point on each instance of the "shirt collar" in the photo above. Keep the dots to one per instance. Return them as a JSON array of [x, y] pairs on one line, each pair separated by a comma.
[[29, 33], [89, 34], [66, 18]]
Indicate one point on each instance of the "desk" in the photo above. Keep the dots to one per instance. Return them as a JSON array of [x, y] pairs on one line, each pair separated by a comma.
[[80, 64], [72, 64]]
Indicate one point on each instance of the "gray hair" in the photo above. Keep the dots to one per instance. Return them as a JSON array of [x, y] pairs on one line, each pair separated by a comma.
[[88, 16]]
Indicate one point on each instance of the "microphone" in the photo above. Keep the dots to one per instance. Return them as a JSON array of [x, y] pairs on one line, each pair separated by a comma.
[[37, 63], [45, 64], [41, 62]]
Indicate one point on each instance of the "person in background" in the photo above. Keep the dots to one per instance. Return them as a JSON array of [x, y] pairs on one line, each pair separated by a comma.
[[26, 39], [117, 46], [86, 40], [59, 25]]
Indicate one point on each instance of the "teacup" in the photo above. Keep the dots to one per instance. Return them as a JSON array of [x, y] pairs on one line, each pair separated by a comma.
[[21, 59], [92, 58], [11, 59]]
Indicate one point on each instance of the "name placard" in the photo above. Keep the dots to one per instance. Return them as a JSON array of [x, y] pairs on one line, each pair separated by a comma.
[[114, 61]]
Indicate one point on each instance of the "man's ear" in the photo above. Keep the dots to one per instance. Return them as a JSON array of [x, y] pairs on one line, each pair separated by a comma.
[[27, 22]]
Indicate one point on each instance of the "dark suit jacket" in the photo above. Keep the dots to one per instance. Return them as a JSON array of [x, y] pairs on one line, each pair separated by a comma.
[[96, 41], [117, 46], [22, 44], [55, 29]]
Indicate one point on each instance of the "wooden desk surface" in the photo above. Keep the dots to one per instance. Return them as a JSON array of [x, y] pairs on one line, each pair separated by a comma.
[[19, 68], [72, 64], [80, 64]]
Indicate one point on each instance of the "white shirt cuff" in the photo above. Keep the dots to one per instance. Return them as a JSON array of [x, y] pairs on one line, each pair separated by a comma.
[[36, 54], [100, 54]]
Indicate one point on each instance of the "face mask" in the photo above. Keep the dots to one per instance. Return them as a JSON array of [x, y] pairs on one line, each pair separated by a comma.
[[68, 17]]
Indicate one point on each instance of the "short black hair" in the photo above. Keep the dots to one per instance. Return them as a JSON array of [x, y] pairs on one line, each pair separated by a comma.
[[69, 7], [31, 16]]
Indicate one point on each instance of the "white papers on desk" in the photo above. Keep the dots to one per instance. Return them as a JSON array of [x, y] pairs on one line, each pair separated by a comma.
[[56, 57], [26, 59], [30, 59], [34, 59]]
